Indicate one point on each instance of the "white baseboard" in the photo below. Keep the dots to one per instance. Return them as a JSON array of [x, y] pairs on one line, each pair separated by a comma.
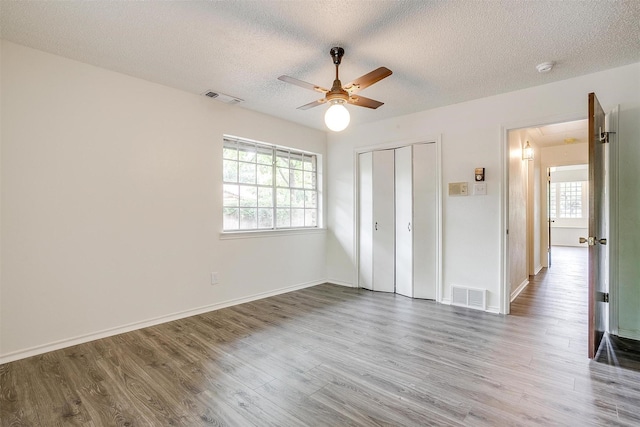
[[537, 269], [519, 289], [57, 345], [493, 309], [341, 283]]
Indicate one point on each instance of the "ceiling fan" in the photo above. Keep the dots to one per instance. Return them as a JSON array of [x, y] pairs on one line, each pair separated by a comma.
[[337, 116]]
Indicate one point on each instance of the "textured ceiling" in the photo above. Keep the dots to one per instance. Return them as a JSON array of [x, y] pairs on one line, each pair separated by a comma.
[[441, 52], [574, 132]]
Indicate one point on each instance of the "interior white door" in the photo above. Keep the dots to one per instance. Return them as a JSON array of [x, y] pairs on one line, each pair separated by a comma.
[[425, 221], [365, 193], [383, 221], [404, 218]]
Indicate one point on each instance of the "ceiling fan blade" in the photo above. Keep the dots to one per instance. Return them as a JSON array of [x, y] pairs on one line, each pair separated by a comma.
[[361, 101], [312, 104], [300, 83], [367, 80]]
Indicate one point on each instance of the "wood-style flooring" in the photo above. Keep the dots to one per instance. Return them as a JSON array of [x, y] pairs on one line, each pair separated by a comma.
[[336, 356]]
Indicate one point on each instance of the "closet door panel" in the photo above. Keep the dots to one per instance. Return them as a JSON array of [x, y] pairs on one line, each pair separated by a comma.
[[425, 221], [365, 207], [383, 221], [404, 221]]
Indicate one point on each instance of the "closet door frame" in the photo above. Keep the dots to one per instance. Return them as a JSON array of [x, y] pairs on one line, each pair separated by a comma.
[[356, 198]]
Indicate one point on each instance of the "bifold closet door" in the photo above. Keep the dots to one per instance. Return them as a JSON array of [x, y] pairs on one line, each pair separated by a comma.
[[365, 200], [383, 221], [404, 220], [425, 221]]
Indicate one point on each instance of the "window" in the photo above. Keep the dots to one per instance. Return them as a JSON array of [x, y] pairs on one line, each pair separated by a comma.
[[566, 199], [268, 187]]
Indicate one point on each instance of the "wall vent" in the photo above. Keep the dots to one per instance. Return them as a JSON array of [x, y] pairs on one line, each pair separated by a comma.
[[469, 297], [222, 97]]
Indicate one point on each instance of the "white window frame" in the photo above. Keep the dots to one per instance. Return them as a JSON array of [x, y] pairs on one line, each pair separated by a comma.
[[302, 181], [555, 189]]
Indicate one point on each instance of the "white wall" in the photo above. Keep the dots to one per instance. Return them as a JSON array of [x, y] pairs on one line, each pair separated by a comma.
[[473, 135], [518, 214], [628, 176], [111, 205]]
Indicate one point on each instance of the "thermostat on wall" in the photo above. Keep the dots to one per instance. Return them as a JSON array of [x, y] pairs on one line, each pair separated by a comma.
[[458, 189]]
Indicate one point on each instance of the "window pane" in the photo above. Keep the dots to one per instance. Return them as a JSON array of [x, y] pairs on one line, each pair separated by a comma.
[[570, 197], [247, 173], [248, 218], [265, 197], [265, 175], [283, 197], [296, 179], [310, 180], [310, 218], [295, 161], [282, 158], [282, 218], [230, 219], [265, 158], [552, 200], [297, 198], [230, 150], [231, 195], [282, 177], [297, 217], [310, 199], [247, 153], [248, 196], [265, 218], [310, 163], [229, 171]]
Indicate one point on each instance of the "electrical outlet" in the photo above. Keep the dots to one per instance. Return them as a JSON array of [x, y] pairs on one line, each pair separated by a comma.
[[214, 278]]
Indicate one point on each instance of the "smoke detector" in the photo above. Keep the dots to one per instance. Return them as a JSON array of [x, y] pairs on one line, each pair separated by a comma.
[[545, 67], [227, 99]]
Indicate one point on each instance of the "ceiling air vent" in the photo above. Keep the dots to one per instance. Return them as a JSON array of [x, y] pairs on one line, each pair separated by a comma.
[[222, 97]]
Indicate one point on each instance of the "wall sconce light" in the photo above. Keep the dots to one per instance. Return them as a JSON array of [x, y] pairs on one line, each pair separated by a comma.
[[527, 152]]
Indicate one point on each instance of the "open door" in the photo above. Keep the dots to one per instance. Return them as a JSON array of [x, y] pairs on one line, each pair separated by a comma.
[[598, 227], [550, 221]]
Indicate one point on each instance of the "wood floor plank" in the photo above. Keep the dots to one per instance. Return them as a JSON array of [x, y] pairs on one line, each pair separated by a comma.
[[330, 355]]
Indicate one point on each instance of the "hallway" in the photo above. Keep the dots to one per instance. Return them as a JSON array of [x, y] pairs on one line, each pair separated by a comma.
[[557, 300], [558, 296]]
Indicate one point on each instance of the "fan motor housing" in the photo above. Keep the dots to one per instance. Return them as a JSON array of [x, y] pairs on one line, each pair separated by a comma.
[[336, 53], [337, 92]]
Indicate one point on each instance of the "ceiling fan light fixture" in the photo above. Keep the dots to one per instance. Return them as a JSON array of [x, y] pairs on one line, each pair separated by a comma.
[[337, 117]]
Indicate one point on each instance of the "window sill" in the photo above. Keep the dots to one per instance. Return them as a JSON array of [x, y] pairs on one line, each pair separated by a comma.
[[228, 235]]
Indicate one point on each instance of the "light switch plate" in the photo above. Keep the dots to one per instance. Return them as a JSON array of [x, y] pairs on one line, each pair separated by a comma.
[[479, 189]]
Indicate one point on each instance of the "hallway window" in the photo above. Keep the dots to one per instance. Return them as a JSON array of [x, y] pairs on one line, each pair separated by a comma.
[[568, 199]]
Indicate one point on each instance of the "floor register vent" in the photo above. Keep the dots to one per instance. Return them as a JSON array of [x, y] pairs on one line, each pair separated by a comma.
[[469, 297]]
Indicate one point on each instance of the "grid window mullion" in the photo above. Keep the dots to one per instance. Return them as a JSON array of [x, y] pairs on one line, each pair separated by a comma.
[[293, 178]]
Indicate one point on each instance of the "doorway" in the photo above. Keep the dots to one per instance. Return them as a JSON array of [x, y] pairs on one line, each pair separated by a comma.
[[557, 149]]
